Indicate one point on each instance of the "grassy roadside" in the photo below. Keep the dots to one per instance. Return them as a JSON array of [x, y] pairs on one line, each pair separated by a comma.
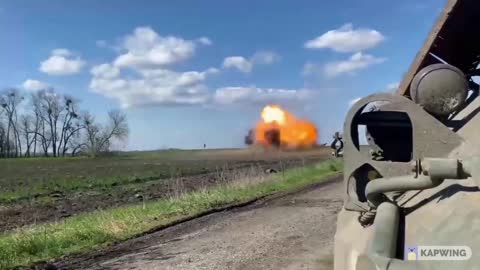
[[87, 231]]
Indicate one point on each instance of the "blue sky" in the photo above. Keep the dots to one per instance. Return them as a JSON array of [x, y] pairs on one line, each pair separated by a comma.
[[194, 72]]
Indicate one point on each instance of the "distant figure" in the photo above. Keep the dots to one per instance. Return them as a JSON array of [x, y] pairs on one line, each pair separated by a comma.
[[337, 145], [249, 137], [204, 146]]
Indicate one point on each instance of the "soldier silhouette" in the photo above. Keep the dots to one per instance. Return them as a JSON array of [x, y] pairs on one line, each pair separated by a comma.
[[337, 144]]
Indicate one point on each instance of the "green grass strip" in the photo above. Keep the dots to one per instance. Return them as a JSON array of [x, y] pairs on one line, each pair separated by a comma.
[[92, 230]]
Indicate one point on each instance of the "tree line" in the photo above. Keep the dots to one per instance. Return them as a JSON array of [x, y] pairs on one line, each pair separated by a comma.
[[47, 123]]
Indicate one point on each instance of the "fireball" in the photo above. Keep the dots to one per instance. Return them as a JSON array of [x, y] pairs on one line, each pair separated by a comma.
[[271, 114], [278, 127]]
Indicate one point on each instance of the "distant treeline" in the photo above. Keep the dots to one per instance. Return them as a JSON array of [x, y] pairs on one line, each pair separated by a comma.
[[47, 123]]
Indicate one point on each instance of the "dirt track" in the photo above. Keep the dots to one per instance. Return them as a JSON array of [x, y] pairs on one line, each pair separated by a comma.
[[291, 232]]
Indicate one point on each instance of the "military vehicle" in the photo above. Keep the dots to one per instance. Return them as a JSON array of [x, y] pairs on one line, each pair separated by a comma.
[[412, 198]]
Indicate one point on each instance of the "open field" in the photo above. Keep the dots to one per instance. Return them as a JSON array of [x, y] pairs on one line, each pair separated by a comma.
[[40, 190], [89, 230]]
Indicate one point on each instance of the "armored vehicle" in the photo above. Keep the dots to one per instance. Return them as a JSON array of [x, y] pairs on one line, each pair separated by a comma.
[[412, 160]]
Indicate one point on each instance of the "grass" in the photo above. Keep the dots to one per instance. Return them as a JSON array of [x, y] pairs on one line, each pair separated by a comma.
[[26, 178], [92, 230], [80, 184]]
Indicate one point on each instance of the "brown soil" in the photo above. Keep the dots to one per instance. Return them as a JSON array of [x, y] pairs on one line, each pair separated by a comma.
[[57, 205]]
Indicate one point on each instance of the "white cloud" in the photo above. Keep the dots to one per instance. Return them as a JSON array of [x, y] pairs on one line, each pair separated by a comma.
[[101, 43], [392, 87], [353, 101], [204, 41], [61, 52], [311, 68], [62, 62], [356, 62], [105, 71], [232, 95], [146, 48], [246, 65], [265, 58], [139, 76], [151, 86], [34, 85], [347, 39], [166, 87], [238, 62]]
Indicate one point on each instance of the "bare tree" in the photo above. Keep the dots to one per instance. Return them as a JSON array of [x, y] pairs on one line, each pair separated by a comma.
[[36, 127], [92, 136], [51, 123], [116, 129], [26, 127], [77, 144], [57, 120], [9, 101], [98, 138], [41, 132], [52, 108], [71, 124], [3, 139]]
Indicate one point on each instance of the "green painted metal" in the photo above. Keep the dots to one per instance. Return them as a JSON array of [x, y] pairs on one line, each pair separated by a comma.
[[417, 181]]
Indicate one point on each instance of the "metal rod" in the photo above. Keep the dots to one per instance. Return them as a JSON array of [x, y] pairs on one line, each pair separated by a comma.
[[384, 242], [375, 189]]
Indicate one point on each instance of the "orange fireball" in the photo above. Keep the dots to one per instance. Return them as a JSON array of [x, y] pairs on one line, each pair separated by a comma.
[[280, 127]]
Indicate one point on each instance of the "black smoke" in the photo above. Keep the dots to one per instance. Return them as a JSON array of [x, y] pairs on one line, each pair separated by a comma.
[[272, 136], [250, 138]]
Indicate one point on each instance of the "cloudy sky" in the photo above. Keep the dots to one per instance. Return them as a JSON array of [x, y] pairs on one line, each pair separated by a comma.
[[194, 72]]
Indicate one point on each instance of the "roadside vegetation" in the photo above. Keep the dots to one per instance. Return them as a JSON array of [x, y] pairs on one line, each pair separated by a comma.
[[44, 242]]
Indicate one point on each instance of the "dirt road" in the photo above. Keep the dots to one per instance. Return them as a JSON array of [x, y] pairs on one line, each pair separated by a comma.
[[290, 232]]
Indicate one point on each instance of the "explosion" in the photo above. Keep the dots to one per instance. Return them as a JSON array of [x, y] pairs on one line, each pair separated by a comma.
[[280, 128]]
